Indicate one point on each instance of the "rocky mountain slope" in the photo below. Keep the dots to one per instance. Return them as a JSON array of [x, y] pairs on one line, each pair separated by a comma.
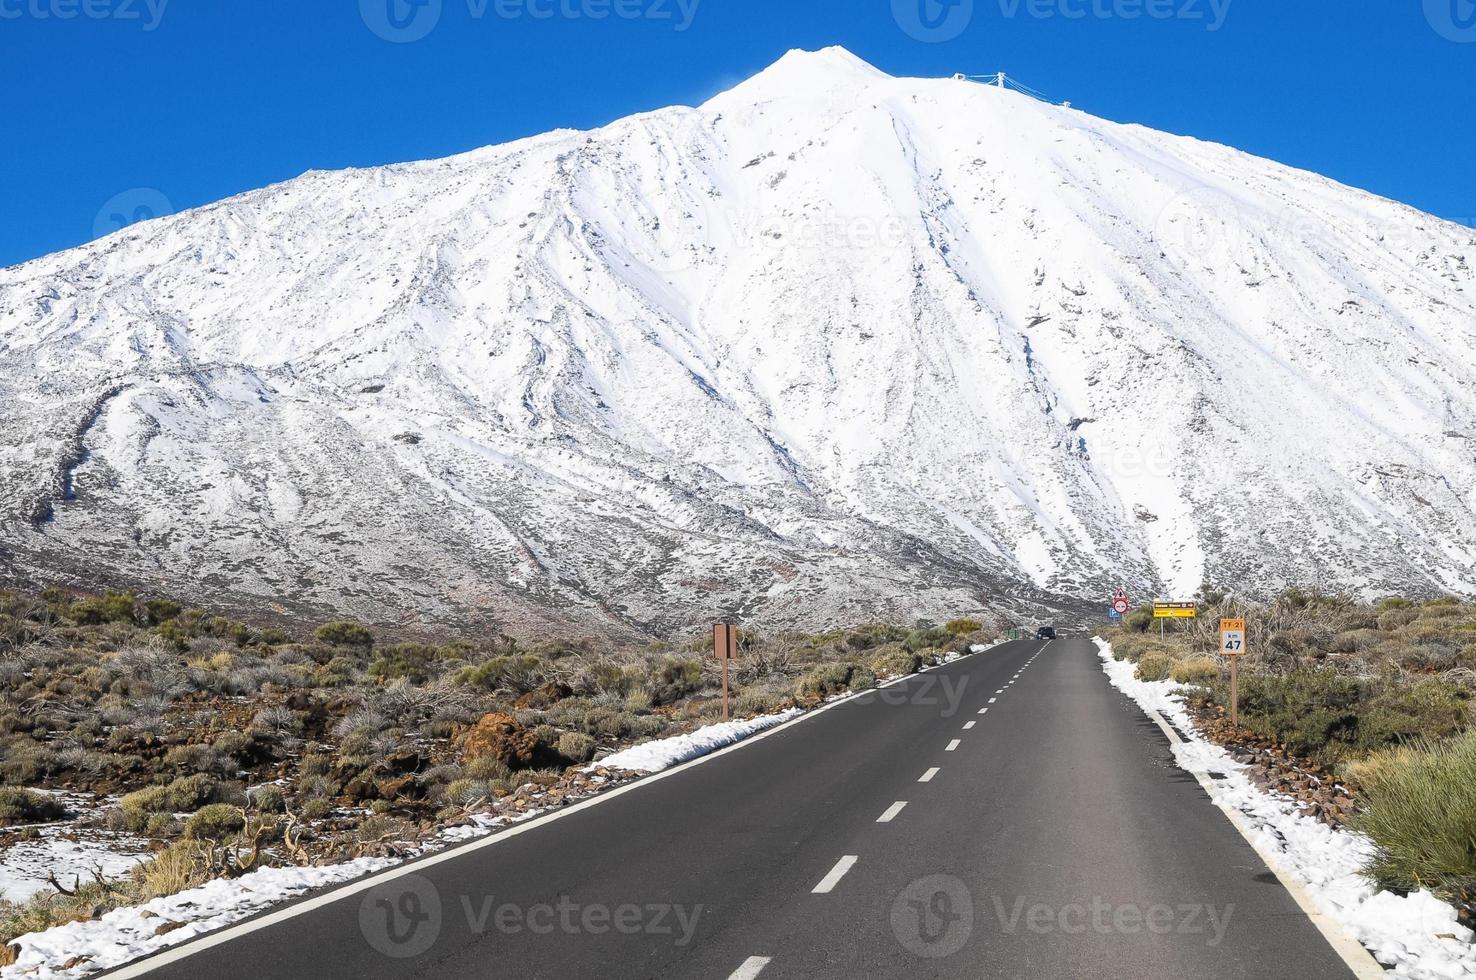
[[833, 345]]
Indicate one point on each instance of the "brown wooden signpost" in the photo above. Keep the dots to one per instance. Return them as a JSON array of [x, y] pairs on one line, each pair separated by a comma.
[[725, 648], [1232, 645]]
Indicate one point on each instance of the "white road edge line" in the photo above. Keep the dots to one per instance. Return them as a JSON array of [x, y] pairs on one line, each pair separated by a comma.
[[953, 745], [927, 777], [1353, 953], [751, 968], [150, 962], [892, 812], [828, 883]]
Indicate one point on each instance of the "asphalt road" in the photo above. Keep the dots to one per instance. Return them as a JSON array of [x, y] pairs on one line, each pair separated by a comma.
[[1053, 837]]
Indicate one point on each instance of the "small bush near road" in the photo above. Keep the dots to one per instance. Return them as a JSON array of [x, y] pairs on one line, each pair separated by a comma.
[[1195, 670], [26, 806], [1154, 666], [1421, 799]]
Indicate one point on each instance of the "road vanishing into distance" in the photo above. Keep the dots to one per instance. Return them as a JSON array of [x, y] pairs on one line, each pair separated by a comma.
[[1007, 815]]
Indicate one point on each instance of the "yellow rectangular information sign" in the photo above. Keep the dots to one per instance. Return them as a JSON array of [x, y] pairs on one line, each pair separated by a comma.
[[1175, 610]]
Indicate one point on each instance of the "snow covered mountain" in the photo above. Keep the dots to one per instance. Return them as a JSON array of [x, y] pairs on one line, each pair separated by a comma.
[[832, 346]]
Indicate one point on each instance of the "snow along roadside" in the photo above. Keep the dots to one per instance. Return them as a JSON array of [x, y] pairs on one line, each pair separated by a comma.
[[1416, 936], [126, 934]]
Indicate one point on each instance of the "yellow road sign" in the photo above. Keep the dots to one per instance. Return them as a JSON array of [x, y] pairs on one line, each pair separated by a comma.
[[1175, 610]]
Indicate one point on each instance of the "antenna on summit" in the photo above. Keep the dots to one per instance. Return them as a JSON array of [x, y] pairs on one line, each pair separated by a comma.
[[999, 80]]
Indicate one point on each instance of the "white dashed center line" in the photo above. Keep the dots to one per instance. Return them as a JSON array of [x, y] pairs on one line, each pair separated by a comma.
[[927, 777], [751, 968], [953, 745], [892, 812], [992, 700], [983, 711], [969, 724], [828, 883]]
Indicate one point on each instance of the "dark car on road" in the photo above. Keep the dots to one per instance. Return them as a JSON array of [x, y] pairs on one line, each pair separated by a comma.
[[1046, 633]]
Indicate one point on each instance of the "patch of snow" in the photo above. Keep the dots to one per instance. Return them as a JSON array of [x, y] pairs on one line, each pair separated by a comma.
[[68, 854], [1416, 936], [128, 933], [663, 753]]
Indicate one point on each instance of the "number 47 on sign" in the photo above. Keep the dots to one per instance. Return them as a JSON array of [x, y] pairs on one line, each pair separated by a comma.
[[1232, 645], [1232, 637]]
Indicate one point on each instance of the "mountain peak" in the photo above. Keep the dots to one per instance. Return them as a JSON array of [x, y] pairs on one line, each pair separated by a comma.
[[801, 72]]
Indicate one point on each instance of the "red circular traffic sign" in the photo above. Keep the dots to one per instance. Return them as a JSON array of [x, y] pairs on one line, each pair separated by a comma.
[[1121, 605]]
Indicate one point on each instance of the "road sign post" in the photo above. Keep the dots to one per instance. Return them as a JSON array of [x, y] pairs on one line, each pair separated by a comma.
[[725, 648], [1232, 645], [1173, 610]]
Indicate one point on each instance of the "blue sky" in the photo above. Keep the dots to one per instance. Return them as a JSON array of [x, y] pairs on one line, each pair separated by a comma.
[[116, 109]]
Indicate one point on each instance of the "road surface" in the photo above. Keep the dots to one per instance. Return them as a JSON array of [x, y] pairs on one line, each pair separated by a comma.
[[1009, 815]]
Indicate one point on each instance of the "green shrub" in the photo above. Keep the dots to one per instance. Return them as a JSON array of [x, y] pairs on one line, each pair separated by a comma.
[[215, 822], [114, 607], [826, 680], [268, 799], [753, 702], [575, 746], [413, 661], [893, 661], [962, 627], [673, 678], [924, 638], [517, 672], [1420, 800], [344, 633], [1195, 670], [181, 796], [862, 678], [1139, 620], [27, 806], [1328, 717], [317, 808], [873, 635], [1154, 666], [158, 611]]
